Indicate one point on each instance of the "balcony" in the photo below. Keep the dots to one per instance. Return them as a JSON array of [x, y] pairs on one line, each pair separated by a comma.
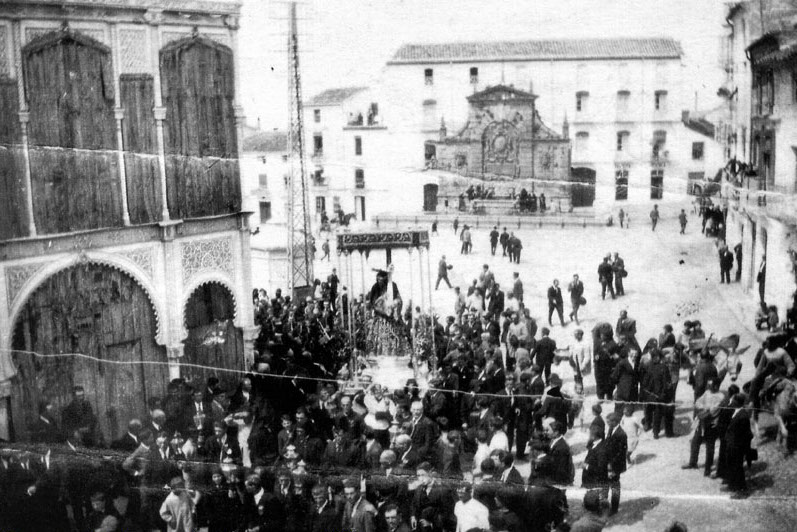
[[659, 159], [778, 202]]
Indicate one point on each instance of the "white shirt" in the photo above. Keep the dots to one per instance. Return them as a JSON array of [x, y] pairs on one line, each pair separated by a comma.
[[259, 495], [581, 353], [499, 442], [482, 453], [471, 514]]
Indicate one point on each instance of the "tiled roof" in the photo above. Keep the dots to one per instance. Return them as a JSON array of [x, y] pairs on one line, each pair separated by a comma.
[[782, 47], [539, 50], [334, 96]]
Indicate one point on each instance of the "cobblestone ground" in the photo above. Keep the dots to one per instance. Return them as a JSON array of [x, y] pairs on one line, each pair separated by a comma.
[[671, 278]]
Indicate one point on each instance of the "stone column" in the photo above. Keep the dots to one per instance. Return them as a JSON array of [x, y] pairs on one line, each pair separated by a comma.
[[154, 17], [24, 118], [250, 335], [231, 22], [119, 114], [173, 354]]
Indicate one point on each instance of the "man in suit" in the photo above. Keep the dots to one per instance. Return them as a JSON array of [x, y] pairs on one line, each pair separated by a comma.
[[655, 383], [617, 455], [200, 413], [486, 279], [496, 305], [222, 447], [576, 289], [407, 455], [323, 516], [517, 287], [595, 475], [129, 441], [45, 429], [555, 302], [433, 503], [358, 514], [78, 415], [618, 267], [556, 465], [494, 235], [506, 405], [373, 450], [442, 272], [511, 475], [423, 431], [504, 240], [393, 519], [737, 442], [605, 277], [544, 353]]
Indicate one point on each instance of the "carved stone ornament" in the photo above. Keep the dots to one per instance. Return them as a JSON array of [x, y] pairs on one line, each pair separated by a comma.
[[364, 242], [17, 276], [207, 255], [501, 142], [142, 258]]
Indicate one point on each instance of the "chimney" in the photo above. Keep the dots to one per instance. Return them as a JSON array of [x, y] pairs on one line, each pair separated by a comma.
[[443, 130]]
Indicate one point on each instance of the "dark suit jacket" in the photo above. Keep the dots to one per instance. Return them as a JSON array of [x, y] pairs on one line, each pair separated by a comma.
[[42, 432], [556, 467], [504, 405], [555, 296], [544, 352], [738, 435], [327, 521], [596, 466], [214, 448], [514, 477], [126, 443], [625, 379], [436, 506], [423, 435], [496, 303], [617, 448]]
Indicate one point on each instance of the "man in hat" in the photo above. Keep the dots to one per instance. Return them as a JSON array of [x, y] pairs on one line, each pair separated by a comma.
[[592, 520], [618, 267], [517, 287], [576, 289], [504, 240], [465, 237], [617, 449], [494, 240], [554, 404], [555, 302], [442, 272]]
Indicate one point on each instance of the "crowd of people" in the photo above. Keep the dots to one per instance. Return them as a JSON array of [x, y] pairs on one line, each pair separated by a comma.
[[305, 440]]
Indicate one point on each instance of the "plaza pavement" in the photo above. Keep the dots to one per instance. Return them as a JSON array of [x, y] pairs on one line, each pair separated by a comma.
[[671, 278]]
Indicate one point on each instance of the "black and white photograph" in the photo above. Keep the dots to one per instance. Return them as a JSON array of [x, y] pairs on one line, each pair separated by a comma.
[[398, 265]]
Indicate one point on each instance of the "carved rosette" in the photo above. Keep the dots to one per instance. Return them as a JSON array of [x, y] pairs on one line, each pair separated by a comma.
[[17, 276], [207, 255]]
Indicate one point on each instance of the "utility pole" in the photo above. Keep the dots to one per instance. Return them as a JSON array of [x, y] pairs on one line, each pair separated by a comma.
[[300, 245]]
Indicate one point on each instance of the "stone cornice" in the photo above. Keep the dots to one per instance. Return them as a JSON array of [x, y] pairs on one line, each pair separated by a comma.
[[214, 7]]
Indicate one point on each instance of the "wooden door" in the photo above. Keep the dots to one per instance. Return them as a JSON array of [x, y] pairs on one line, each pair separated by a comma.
[[103, 314]]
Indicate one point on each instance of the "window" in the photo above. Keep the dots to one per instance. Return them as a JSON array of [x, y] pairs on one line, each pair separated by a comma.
[[659, 140], [582, 142], [621, 184], [763, 92], [336, 204], [358, 145], [318, 145], [320, 204], [359, 178], [428, 76], [660, 100], [262, 180], [317, 115], [581, 101], [697, 151], [622, 102], [474, 75], [622, 140], [430, 122], [265, 211], [656, 184]]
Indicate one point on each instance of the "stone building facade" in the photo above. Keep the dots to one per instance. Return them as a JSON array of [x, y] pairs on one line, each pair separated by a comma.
[[123, 238], [504, 137]]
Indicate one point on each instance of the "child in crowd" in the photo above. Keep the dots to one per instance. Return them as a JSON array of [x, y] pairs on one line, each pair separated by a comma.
[[633, 429]]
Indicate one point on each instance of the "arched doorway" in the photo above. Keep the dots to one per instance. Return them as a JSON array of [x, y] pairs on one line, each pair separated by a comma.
[[213, 340], [94, 310]]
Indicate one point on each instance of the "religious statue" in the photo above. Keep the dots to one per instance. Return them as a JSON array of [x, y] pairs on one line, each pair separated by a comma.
[[386, 333]]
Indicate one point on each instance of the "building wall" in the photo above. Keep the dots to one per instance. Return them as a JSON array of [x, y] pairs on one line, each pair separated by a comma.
[[556, 83]]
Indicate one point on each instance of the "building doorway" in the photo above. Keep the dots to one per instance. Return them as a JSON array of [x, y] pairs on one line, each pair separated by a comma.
[[656, 184], [213, 340], [430, 197], [621, 184]]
